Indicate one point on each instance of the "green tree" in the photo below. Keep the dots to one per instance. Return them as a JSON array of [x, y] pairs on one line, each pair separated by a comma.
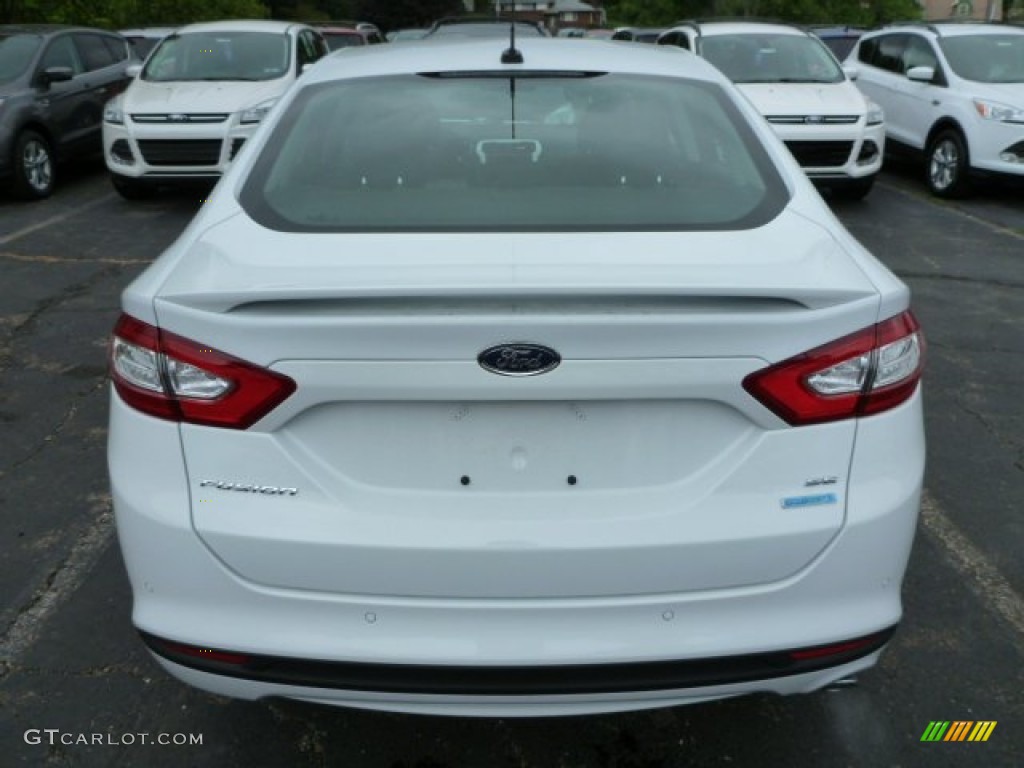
[[394, 14], [663, 12]]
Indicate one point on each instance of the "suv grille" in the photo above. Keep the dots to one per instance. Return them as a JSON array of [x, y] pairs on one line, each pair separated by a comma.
[[199, 117], [180, 151], [813, 119], [820, 154]]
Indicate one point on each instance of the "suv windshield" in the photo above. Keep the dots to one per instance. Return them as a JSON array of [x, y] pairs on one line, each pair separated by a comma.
[[16, 53], [986, 58], [538, 152], [219, 56], [771, 58]]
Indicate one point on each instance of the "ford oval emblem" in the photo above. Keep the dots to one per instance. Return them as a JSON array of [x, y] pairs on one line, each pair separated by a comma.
[[519, 359]]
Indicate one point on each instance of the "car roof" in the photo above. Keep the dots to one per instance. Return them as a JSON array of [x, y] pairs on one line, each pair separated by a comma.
[[710, 28], [639, 30], [148, 31], [45, 29], [484, 55], [837, 31], [955, 28], [451, 23], [254, 25]]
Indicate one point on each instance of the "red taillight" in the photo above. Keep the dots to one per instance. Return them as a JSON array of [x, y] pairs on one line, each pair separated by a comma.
[[172, 378], [838, 649], [866, 372]]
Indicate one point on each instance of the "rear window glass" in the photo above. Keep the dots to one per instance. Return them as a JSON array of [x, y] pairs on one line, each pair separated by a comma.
[[484, 29], [487, 153], [336, 40]]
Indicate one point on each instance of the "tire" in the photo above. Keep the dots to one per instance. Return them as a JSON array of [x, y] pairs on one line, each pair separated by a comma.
[[947, 165], [33, 166], [132, 189], [855, 189]]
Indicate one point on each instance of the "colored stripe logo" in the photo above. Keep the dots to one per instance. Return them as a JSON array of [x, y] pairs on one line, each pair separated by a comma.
[[958, 730]]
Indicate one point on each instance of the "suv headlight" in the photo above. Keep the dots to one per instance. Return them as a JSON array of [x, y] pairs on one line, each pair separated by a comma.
[[875, 114], [257, 113], [993, 110], [112, 113]]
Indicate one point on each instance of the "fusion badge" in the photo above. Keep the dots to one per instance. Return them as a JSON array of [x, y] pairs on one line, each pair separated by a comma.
[[268, 490]]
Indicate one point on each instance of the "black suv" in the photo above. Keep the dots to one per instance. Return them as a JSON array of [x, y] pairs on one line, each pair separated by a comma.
[[54, 82]]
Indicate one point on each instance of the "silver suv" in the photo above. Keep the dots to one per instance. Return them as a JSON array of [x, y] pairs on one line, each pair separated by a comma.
[[952, 93]]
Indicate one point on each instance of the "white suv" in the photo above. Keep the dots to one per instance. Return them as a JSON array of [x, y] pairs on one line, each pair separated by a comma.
[[200, 95], [836, 135], [952, 92]]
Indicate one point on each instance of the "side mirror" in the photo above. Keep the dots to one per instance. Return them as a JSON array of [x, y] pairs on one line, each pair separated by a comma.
[[851, 72], [56, 75], [921, 74], [133, 70]]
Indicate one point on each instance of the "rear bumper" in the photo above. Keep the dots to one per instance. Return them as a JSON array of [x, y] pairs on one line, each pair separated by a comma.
[[510, 691], [561, 679], [511, 706], [186, 595]]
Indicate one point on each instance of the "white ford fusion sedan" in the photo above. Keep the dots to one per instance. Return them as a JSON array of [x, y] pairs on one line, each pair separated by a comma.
[[515, 381]]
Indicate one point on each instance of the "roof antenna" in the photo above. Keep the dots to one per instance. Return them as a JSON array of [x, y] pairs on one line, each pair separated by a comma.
[[512, 55]]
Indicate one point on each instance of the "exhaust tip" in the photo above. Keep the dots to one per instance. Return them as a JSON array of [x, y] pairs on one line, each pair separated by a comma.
[[842, 684]]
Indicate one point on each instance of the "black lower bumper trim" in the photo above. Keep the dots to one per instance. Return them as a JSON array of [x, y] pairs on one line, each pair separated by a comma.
[[522, 681]]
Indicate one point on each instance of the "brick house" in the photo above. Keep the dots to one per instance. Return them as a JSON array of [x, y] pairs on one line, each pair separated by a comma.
[[556, 14], [976, 9]]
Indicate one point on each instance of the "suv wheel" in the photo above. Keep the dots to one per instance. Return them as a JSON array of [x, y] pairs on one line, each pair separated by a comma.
[[947, 165], [131, 189], [33, 166]]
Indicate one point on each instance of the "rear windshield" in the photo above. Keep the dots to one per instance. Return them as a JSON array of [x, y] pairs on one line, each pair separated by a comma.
[[986, 58], [530, 153], [336, 40], [771, 58], [219, 56], [484, 29]]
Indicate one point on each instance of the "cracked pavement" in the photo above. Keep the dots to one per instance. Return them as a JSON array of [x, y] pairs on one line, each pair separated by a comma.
[[70, 660]]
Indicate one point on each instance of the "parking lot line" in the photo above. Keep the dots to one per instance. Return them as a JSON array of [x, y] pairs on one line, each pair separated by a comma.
[[41, 259], [952, 208], [981, 576], [5, 239]]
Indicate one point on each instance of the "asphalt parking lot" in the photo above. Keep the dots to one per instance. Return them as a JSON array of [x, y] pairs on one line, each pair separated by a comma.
[[72, 668]]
